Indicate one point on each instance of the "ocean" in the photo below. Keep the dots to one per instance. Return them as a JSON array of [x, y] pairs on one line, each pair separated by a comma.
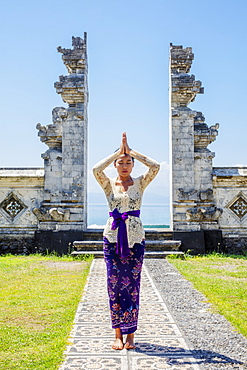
[[152, 215]]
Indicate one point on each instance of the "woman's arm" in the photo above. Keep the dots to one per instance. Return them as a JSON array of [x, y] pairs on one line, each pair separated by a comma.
[[153, 167], [103, 180], [98, 170]]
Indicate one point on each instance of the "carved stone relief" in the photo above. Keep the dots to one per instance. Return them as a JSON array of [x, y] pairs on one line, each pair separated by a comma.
[[12, 207], [203, 214], [51, 134], [187, 195], [203, 196], [52, 214], [238, 206], [206, 195], [203, 135]]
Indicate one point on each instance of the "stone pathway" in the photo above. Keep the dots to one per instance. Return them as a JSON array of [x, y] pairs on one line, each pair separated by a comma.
[[159, 343]]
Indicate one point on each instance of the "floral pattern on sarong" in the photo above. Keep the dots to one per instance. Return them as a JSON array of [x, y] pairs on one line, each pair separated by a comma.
[[123, 282], [137, 269]]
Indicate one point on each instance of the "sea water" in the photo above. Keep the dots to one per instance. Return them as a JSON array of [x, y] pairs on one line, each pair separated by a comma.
[[152, 215]]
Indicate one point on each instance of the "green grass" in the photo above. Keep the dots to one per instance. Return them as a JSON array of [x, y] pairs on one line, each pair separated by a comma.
[[38, 300], [223, 280]]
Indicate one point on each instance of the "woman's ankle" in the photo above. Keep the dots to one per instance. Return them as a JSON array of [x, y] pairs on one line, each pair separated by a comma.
[[118, 334]]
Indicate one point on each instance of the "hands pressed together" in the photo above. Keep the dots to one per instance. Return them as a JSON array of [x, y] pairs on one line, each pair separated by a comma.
[[124, 147]]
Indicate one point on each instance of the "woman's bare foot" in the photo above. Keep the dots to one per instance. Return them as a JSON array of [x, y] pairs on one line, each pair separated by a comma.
[[118, 343], [130, 342]]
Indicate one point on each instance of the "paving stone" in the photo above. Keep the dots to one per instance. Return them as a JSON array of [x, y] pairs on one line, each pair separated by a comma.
[[154, 362], [159, 342], [92, 330], [88, 363]]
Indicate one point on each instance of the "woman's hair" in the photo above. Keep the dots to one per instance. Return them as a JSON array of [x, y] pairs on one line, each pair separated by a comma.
[[133, 159]]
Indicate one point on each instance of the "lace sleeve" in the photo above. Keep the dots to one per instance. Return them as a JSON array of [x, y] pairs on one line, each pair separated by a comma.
[[98, 171], [153, 167]]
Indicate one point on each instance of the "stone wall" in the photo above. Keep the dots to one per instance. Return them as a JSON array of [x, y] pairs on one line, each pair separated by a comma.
[[21, 190], [230, 192]]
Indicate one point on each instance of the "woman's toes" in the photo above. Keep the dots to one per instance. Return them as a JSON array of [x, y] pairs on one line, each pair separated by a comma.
[[118, 344], [130, 343]]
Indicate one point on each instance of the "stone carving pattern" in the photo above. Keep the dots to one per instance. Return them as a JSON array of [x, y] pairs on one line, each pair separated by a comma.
[[206, 195], [12, 206], [187, 195], [203, 214], [239, 207], [52, 214]]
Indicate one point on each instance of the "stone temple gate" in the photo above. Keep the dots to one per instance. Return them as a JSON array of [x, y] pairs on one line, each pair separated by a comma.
[[46, 208]]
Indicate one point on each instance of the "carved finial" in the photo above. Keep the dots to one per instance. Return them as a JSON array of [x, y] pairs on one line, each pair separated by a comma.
[[75, 59], [184, 87], [51, 134], [181, 58], [78, 43], [203, 135]]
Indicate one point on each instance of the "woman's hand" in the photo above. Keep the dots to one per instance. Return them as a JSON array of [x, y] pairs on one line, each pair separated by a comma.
[[124, 147]]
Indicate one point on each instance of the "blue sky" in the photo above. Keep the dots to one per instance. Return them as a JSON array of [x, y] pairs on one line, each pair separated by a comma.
[[128, 50]]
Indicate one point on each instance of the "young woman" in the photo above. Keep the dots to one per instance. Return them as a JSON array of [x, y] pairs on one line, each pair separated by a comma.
[[124, 238]]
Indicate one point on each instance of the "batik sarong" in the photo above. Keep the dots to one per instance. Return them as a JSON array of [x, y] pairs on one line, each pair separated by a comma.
[[123, 284]]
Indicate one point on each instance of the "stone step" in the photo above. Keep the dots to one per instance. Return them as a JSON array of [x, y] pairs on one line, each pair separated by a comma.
[[148, 254], [158, 235], [150, 234], [151, 245]]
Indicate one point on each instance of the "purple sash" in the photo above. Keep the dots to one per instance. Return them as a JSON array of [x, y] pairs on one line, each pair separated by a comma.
[[119, 222]]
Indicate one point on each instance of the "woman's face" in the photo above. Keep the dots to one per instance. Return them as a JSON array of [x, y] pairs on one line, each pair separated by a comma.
[[124, 165]]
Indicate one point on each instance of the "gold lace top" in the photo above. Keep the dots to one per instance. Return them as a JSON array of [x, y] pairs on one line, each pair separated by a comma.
[[125, 201]]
